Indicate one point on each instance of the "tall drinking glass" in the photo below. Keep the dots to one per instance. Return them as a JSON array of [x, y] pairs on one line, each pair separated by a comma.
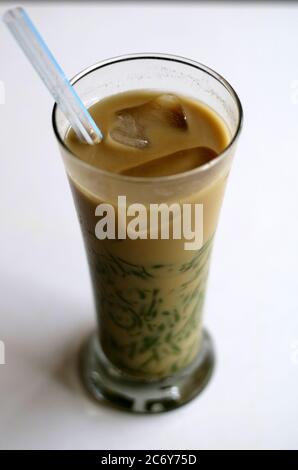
[[149, 352]]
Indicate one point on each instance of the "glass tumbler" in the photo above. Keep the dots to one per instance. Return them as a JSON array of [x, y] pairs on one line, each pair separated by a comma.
[[149, 352]]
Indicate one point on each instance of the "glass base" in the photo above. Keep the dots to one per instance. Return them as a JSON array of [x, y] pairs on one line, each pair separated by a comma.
[[106, 382]]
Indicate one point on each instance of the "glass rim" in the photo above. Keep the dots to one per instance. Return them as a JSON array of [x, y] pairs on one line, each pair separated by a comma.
[[155, 56]]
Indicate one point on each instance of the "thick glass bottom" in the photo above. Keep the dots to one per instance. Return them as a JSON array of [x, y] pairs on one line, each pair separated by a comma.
[[106, 382]]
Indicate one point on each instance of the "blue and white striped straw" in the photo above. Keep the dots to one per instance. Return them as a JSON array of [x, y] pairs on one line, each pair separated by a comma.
[[52, 75]]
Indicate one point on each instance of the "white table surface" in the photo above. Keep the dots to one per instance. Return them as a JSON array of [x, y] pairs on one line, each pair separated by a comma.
[[252, 305]]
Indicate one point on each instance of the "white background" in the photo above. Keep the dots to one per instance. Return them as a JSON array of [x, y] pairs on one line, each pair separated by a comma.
[[252, 305]]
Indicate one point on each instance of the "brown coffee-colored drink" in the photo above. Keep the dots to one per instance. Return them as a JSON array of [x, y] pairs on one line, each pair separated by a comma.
[[149, 293]]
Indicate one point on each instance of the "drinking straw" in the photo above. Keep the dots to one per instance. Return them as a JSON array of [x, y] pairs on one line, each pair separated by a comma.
[[52, 75]]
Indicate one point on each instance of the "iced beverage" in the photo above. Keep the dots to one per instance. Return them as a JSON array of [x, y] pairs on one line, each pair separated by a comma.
[[149, 293], [170, 128]]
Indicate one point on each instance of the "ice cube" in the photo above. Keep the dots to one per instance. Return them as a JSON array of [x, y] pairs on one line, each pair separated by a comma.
[[128, 131], [168, 108], [178, 162], [131, 126]]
